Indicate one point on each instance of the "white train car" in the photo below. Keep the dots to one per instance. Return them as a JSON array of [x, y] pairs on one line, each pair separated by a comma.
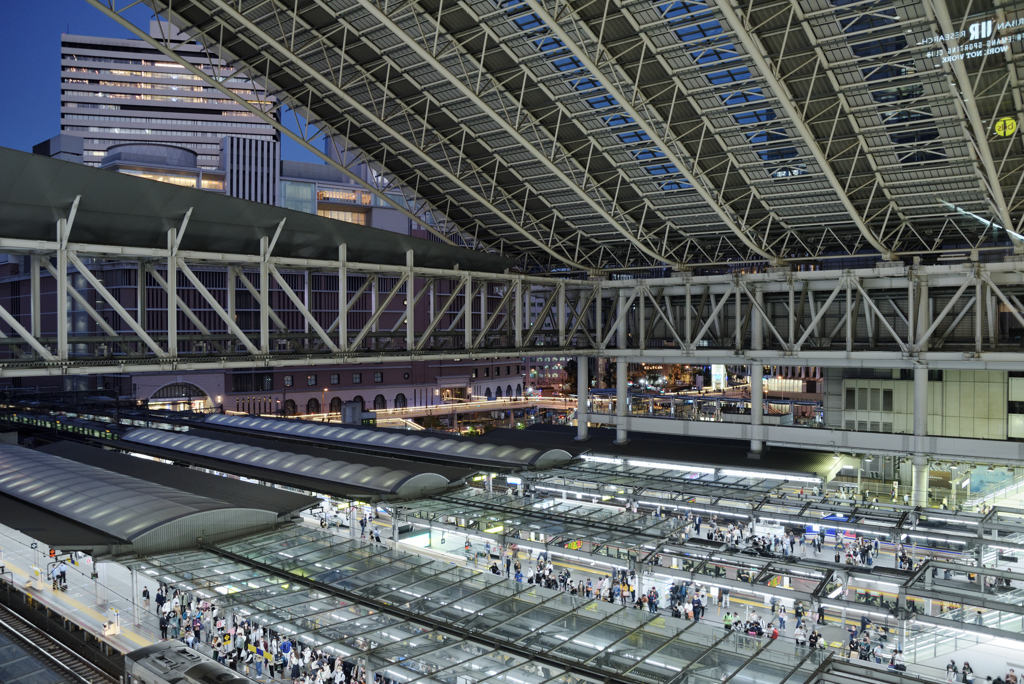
[[172, 662]]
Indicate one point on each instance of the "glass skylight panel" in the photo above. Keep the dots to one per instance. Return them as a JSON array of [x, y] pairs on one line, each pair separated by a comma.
[[698, 31], [736, 97], [754, 116], [602, 101], [727, 76], [617, 120], [647, 153]]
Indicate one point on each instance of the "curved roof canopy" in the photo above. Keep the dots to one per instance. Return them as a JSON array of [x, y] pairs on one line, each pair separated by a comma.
[[149, 516], [376, 479], [498, 455], [660, 132]]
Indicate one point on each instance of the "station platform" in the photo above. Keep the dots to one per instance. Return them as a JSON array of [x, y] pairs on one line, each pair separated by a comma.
[[79, 605]]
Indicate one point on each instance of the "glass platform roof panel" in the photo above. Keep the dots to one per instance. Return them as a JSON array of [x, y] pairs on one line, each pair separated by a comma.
[[444, 607]]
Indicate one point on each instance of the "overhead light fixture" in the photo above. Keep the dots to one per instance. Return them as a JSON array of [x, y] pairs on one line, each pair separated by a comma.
[[991, 468]]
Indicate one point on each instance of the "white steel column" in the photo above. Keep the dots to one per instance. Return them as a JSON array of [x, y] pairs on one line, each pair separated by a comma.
[[410, 328], [467, 316], [36, 297], [621, 435], [136, 597], [374, 303], [62, 289], [756, 376], [756, 408], [582, 395], [920, 460], [172, 300], [264, 298], [231, 293], [140, 294], [343, 297], [518, 323]]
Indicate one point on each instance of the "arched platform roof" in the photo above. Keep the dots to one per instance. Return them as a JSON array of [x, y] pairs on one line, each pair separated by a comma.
[[459, 451], [133, 514], [378, 480]]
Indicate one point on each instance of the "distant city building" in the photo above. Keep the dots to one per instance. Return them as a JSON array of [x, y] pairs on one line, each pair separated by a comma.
[[116, 91]]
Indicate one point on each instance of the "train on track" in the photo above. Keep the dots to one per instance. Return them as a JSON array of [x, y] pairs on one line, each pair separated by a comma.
[[172, 662]]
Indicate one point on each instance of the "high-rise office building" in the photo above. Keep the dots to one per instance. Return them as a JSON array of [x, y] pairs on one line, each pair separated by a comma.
[[116, 91]]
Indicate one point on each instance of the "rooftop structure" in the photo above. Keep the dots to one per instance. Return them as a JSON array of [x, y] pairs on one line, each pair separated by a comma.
[[401, 443], [88, 508]]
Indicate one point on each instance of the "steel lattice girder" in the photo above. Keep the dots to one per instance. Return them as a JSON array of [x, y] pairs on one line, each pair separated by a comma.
[[624, 134], [965, 315]]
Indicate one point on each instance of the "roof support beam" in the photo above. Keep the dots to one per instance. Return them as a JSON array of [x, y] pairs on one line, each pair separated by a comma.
[[336, 91], [510, 129], [755, 52], [627, 104], [969, 104]]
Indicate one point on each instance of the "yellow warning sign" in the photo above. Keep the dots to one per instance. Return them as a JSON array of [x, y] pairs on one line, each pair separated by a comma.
[[1006, 126]]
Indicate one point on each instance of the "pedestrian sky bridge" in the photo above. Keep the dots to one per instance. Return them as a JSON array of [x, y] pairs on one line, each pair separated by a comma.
[[244, 288]]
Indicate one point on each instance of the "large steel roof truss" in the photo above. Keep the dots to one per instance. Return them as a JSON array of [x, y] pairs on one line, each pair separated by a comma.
[[473, 83], [598, 248], [859, 77], [843, 103], [692, 96], [306, 38], [647, 203], [635, 102], [974, 127], [769, 75]]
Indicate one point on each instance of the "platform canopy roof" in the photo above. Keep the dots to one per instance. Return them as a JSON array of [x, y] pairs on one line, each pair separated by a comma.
[[456, 451], [128, 513], [376, 480], [660, 133]]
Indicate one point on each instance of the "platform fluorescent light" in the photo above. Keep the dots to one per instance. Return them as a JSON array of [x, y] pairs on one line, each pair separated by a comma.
[[770, 476], [671, 466], [602, 459]]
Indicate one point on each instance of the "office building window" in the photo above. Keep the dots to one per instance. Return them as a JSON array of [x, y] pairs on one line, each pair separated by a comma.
[[298, 196], [357, 378], [311, 380], [497, 371], [487, 372], [378, 377], [335, 378], [289, 380]]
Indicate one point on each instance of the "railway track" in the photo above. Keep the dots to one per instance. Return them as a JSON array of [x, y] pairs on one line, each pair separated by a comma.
[[73, 667]]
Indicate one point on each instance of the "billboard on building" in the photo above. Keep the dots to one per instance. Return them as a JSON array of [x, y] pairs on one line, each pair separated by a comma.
[[719, 379]]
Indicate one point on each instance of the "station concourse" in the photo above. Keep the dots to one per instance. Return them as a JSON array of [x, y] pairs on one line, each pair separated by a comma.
[[517, 342]]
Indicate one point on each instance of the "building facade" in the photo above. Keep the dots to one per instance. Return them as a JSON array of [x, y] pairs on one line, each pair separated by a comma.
[[116, 91]]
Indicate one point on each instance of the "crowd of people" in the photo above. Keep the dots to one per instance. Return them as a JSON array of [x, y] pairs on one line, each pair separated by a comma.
[[251, 649]]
